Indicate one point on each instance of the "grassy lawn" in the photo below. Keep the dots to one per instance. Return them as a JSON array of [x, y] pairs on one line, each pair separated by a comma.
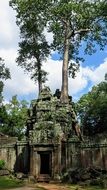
[[7, 183]]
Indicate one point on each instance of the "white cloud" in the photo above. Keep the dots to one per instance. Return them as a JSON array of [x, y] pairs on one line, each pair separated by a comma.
[[8, 28], [20, 83], [54, 73], [6, 31], [78, 84], [86, 74], [97, 74], [54, 68], [49, 36]]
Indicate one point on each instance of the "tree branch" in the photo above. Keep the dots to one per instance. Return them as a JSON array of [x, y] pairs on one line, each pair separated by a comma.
[[82, 31], [72, 33]]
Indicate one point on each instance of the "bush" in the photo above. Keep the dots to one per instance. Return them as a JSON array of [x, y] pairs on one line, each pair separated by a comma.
[[2, 164]]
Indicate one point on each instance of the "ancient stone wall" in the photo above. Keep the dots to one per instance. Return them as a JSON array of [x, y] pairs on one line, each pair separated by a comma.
[[90, 153], [94, 152], [8, 151], [22, 157], [74, 154], [15, 154]]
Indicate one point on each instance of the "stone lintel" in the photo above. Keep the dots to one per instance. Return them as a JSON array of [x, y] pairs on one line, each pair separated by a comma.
[[22, 143], [44, 144]]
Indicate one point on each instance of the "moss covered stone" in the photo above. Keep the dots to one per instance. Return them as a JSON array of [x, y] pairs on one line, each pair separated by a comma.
[[50, 119]]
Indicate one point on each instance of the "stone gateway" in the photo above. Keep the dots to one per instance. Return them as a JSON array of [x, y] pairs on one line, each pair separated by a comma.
[[52, 145]]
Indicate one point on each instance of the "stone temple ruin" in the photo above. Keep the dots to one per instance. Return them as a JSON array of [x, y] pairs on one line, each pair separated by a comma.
[[53, 142], [48, 129]]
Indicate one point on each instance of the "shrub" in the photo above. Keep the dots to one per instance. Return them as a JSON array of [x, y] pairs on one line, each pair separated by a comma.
[[2, 164]]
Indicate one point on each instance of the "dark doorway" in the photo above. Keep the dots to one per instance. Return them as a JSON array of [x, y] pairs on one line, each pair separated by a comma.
[[45, 163]]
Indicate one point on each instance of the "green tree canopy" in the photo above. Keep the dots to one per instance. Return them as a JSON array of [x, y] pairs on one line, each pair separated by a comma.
[[33, 48], [92, 109], [14, 117], [71, 23], [4, 75], [17, 113]]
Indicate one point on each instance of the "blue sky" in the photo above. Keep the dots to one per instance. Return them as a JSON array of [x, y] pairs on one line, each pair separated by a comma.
[[92, 62], [91, 72]]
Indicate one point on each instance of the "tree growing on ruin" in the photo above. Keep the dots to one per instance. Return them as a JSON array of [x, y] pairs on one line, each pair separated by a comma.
[[72, 24]]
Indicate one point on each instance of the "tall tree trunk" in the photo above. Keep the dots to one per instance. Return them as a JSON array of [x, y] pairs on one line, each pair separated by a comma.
[[39, 86], [64, 90], [39, 78]]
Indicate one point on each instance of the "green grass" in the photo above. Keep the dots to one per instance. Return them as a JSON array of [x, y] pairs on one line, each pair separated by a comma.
[[7, 183]]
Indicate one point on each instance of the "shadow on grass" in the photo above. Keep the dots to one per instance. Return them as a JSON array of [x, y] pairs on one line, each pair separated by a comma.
[[7, 183]]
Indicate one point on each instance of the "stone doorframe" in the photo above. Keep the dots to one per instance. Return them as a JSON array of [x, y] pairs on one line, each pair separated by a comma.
[[35, 162], [54, 151]]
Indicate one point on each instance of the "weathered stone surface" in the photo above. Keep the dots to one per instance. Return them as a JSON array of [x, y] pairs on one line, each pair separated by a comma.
[[52, 146], [49, 124], [4, 172], [20, 175], [49, 118]]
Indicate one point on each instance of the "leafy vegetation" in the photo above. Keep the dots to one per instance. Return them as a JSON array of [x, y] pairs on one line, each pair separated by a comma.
[[13, 118], [71, 22], [13, 115], [4, 75], [33, 48], [2, 164], [92, 109], [7, 183]]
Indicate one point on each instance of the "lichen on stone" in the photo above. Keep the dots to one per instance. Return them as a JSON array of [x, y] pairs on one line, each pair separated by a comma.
[[49, 119]]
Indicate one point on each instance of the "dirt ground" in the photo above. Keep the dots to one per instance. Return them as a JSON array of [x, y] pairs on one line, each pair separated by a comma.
[[43, 185], [53, 186], [23, 188]]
